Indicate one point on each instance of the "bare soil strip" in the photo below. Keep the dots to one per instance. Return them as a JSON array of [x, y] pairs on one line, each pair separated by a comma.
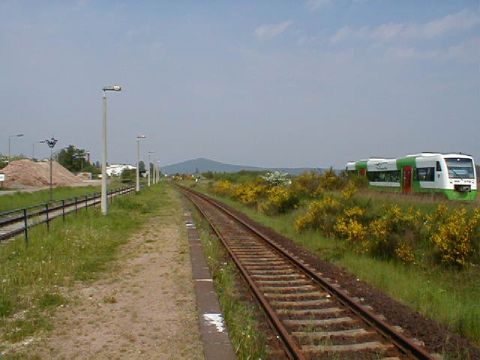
[[144, 308]]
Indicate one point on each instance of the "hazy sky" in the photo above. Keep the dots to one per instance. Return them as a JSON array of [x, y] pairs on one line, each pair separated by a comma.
[[266, 83]]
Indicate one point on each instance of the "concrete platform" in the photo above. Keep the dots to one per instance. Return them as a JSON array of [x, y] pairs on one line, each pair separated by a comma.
[[214, 333]]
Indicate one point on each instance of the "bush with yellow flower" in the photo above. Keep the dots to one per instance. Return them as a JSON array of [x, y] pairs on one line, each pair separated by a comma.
[[279, 200], [321, 215]]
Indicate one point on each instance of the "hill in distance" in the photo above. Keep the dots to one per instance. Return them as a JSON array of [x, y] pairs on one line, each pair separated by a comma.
[[201, 165]]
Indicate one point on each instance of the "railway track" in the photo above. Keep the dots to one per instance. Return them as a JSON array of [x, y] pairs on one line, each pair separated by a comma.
[[313, 318]]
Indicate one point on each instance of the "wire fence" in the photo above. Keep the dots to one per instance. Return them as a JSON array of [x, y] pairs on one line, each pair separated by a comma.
[[18, 221]]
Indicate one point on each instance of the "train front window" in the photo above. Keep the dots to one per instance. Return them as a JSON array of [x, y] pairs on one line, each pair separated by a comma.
[[459, 168]]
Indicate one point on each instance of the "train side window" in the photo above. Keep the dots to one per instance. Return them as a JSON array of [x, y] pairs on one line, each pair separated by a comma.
[[425, 174], [439, 168]]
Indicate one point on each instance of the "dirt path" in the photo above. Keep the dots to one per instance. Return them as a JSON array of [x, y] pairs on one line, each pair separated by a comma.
[[143, 309]]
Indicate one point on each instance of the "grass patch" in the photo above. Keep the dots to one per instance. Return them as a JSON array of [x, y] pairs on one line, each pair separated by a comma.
[[33, 279], [51, 300], [443, 294], [23, 328], [248, 341]]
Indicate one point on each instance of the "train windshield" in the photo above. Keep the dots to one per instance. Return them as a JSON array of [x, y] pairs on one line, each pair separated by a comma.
[[460, 168]]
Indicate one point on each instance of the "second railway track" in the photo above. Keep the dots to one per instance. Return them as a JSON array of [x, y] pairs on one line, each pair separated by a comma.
[[313, 318]]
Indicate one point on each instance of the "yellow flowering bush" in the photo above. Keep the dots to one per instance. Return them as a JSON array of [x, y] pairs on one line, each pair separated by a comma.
[[329, 180], [353, 231], [349, 226], [405, 252], [319, 192], [321, 215], [223, 188], [306, 183], [354, 212], [379, 228], [454, 237], [248, 193], [380, 237], [391, 229], [448, 236], [279, 200], [349, 191], [433, 221]]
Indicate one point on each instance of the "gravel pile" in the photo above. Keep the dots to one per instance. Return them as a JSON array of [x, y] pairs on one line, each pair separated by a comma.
[[25, 173]]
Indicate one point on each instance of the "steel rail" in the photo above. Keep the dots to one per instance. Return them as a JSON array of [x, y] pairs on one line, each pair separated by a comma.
[[403, 343]]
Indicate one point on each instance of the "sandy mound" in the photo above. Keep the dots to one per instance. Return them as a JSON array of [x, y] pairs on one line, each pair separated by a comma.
[[26, 173]]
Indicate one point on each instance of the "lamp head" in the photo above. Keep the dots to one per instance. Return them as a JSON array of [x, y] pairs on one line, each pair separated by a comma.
[[112, 88], [51, 142]]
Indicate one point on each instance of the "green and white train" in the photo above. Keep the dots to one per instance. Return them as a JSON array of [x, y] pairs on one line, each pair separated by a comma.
[[451, 174]]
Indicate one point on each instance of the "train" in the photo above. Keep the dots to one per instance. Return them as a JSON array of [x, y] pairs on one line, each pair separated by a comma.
[[452, 174]]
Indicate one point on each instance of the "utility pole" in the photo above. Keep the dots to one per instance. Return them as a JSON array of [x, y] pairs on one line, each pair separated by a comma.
[[149, 166], [9, 145]]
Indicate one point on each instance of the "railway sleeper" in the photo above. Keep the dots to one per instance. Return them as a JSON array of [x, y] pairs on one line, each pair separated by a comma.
[[304, 304], [371, 345], [311, 295], [247, 249], [310, 323], [280, 277], [310, 312], [288, 289], [358, 338], [320, 335], [265, 269], [286, 282], [265, 262], [259, 255], [260, 258], [319, 315], [246, 246]]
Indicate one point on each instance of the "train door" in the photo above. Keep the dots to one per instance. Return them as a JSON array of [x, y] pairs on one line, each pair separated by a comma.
[[363, 172], [407, 179]]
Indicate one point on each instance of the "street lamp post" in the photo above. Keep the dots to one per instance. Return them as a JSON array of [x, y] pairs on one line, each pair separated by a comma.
[[103, 201], [33, 147], [139, 137], [149, 167], [158, 171], [9, 144], [155, 177], [51, 144]]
